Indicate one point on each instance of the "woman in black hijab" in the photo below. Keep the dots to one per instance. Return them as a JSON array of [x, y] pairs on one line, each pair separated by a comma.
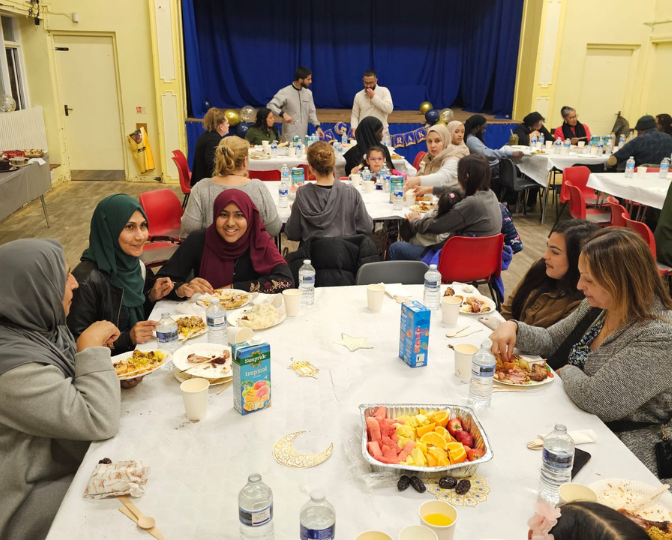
[[369, 133], [533, 124]]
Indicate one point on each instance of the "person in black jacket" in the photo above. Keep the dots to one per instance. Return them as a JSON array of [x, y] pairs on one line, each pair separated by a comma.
[[216, 127], [113, 284], [235, 252], [533, 124], [369, 133]]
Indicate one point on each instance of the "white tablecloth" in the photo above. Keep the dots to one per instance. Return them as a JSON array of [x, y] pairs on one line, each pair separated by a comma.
[[401, 165], [650, 190], [197, 469], [537, 166], [377, 204]]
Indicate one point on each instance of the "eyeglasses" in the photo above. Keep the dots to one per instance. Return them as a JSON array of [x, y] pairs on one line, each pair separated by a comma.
[[574, 117]]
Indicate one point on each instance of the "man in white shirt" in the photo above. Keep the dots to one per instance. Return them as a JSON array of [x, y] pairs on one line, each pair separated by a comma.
[[294, 104], [374, 100]]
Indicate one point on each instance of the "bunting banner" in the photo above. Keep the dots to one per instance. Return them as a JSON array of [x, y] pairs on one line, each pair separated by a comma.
[[341, 128], [398, 140], [329, 135], [409, 138], [420, 135]]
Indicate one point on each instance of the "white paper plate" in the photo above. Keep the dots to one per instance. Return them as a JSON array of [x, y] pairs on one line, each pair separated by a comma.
[[127, 355], [185, 377], [204, 299], [204, 349], [488, 302], [617, 492], [233, 316], [547, 380]]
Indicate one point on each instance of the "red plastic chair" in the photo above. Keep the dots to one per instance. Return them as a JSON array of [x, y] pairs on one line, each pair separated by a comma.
[[418, 159], [617, 212], [185, 178], [265, 176], [476, 260], [643, 230], [649, 169], [164, 213], [578, 177], [306, 171], [578, 210]]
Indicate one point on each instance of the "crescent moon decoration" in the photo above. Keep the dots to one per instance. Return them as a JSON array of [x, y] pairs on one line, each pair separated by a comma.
[[284, 453]]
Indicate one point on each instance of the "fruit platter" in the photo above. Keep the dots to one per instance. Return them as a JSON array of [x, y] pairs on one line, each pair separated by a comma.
[[425, 439]]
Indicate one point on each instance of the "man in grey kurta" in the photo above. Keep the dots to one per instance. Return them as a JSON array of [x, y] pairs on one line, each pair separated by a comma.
[[295, 105]]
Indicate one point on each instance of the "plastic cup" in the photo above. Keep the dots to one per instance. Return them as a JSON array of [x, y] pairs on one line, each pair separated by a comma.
[[464, 354], [443, 532], [375, 295], [417, 532], [195, 395], [238, 335], [641, 172], [292, 299], [374, 535], [450, 309], [368, 186], [356, 179], [571, 492]]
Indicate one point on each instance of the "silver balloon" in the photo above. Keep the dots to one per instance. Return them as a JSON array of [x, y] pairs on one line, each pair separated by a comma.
[[247, 113], [447, 115], [7, 103]]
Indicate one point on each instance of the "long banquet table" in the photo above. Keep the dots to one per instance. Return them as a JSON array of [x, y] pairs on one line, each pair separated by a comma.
[[649, 191], [197, 469], [276, 163]]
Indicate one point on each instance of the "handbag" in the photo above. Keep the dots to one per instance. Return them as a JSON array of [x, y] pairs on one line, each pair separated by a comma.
[[664, 456]]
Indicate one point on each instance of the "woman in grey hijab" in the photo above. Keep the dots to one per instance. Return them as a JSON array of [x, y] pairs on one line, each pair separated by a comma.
[[56, 395]]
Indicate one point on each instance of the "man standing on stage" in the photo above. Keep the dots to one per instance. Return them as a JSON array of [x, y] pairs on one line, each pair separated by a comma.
[[374, 100], [294, 104]]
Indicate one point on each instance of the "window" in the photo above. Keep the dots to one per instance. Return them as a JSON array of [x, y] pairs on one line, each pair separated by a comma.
[[12, 79]]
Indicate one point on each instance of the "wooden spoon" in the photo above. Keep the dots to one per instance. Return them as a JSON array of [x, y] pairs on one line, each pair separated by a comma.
[[144, 522]]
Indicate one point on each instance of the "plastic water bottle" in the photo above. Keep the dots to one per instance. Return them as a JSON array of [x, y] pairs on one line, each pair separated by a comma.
[[621, 141], [215, 316], [432, 295], [664, 168], [483, 366], [557, 459], [283, 193], [166, 333], [557, 146], [344, 138], [630, 167], [398, 202], [540, 141], [255, 510], [533, 141], [338, 148], [566, 146], [600, 147], [385, 174], [274, 149], [284, 174], [298, 148], [318, 518], [366, 174], [307, 283], [608, 148]]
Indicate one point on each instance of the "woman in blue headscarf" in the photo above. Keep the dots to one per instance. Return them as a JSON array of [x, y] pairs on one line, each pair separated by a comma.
[[113, 284]]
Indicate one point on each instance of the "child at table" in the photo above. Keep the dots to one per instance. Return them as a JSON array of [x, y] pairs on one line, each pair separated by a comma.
[[374, 159], [448, 199]]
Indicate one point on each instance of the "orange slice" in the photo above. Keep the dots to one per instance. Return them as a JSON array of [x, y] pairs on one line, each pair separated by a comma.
[[425, 429], [434, 439], [443, 432], [440, 456], [457, 455], [441, 418], [431, 461]]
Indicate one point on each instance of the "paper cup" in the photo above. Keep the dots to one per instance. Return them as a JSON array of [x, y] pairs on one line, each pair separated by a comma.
[[264, 143], [576, 492], [368, 186], [641, 172], [292, 298], [410, 197], [356, 179], [593, 150], [581, 144], [375, 295], [549, 144], [374, 535], [443, 532], [417, 532], [450, 309], [463, 356], [195, 395], [238, 335]]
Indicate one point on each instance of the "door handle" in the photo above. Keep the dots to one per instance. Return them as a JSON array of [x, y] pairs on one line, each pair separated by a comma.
[[67, 110]]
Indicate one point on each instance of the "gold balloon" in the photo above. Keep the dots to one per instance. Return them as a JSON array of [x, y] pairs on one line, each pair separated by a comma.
[[441, 122], [232, 116], [447, 115], [425, 106]]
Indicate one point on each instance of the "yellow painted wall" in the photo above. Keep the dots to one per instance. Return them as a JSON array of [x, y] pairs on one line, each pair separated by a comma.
[[527, 57]]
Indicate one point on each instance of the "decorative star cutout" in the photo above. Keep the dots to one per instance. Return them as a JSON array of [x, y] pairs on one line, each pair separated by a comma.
[[353, 343]]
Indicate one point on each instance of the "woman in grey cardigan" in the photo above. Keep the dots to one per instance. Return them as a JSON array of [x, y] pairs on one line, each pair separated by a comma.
[[55, 395], [614, 353]]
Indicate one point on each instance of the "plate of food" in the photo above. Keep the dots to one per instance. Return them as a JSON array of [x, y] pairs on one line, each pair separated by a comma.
[[228, 298], [189, 326], [422, 207], [205, 360], [477, 305], [523, 372], [132, 364], [657, 513], [258, 317]]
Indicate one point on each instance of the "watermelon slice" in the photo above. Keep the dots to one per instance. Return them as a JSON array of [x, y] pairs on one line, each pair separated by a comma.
[[406, 451], [373, 428], [381, 412], [374, 450], [389, 461]]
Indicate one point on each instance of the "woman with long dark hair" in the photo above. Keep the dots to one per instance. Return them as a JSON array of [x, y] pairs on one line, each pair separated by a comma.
[[548, 291], [664, 123], [264, 128]]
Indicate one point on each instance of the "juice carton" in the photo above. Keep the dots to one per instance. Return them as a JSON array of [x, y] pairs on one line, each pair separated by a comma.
[[251, 376], [395, 181], [414, 333], [298, 176]]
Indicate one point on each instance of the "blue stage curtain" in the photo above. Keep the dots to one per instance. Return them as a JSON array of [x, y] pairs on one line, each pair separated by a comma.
[[240, 54], [496, 136]]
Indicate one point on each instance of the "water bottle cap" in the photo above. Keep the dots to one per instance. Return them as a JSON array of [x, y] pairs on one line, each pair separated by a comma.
[[561, 427], [214, 300], [165, 315], [317, 495], [306, 261], [254, 478], [486, 343], [432, 267]]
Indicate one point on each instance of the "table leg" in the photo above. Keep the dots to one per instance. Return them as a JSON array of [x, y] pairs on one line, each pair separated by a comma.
[[44, 209]]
